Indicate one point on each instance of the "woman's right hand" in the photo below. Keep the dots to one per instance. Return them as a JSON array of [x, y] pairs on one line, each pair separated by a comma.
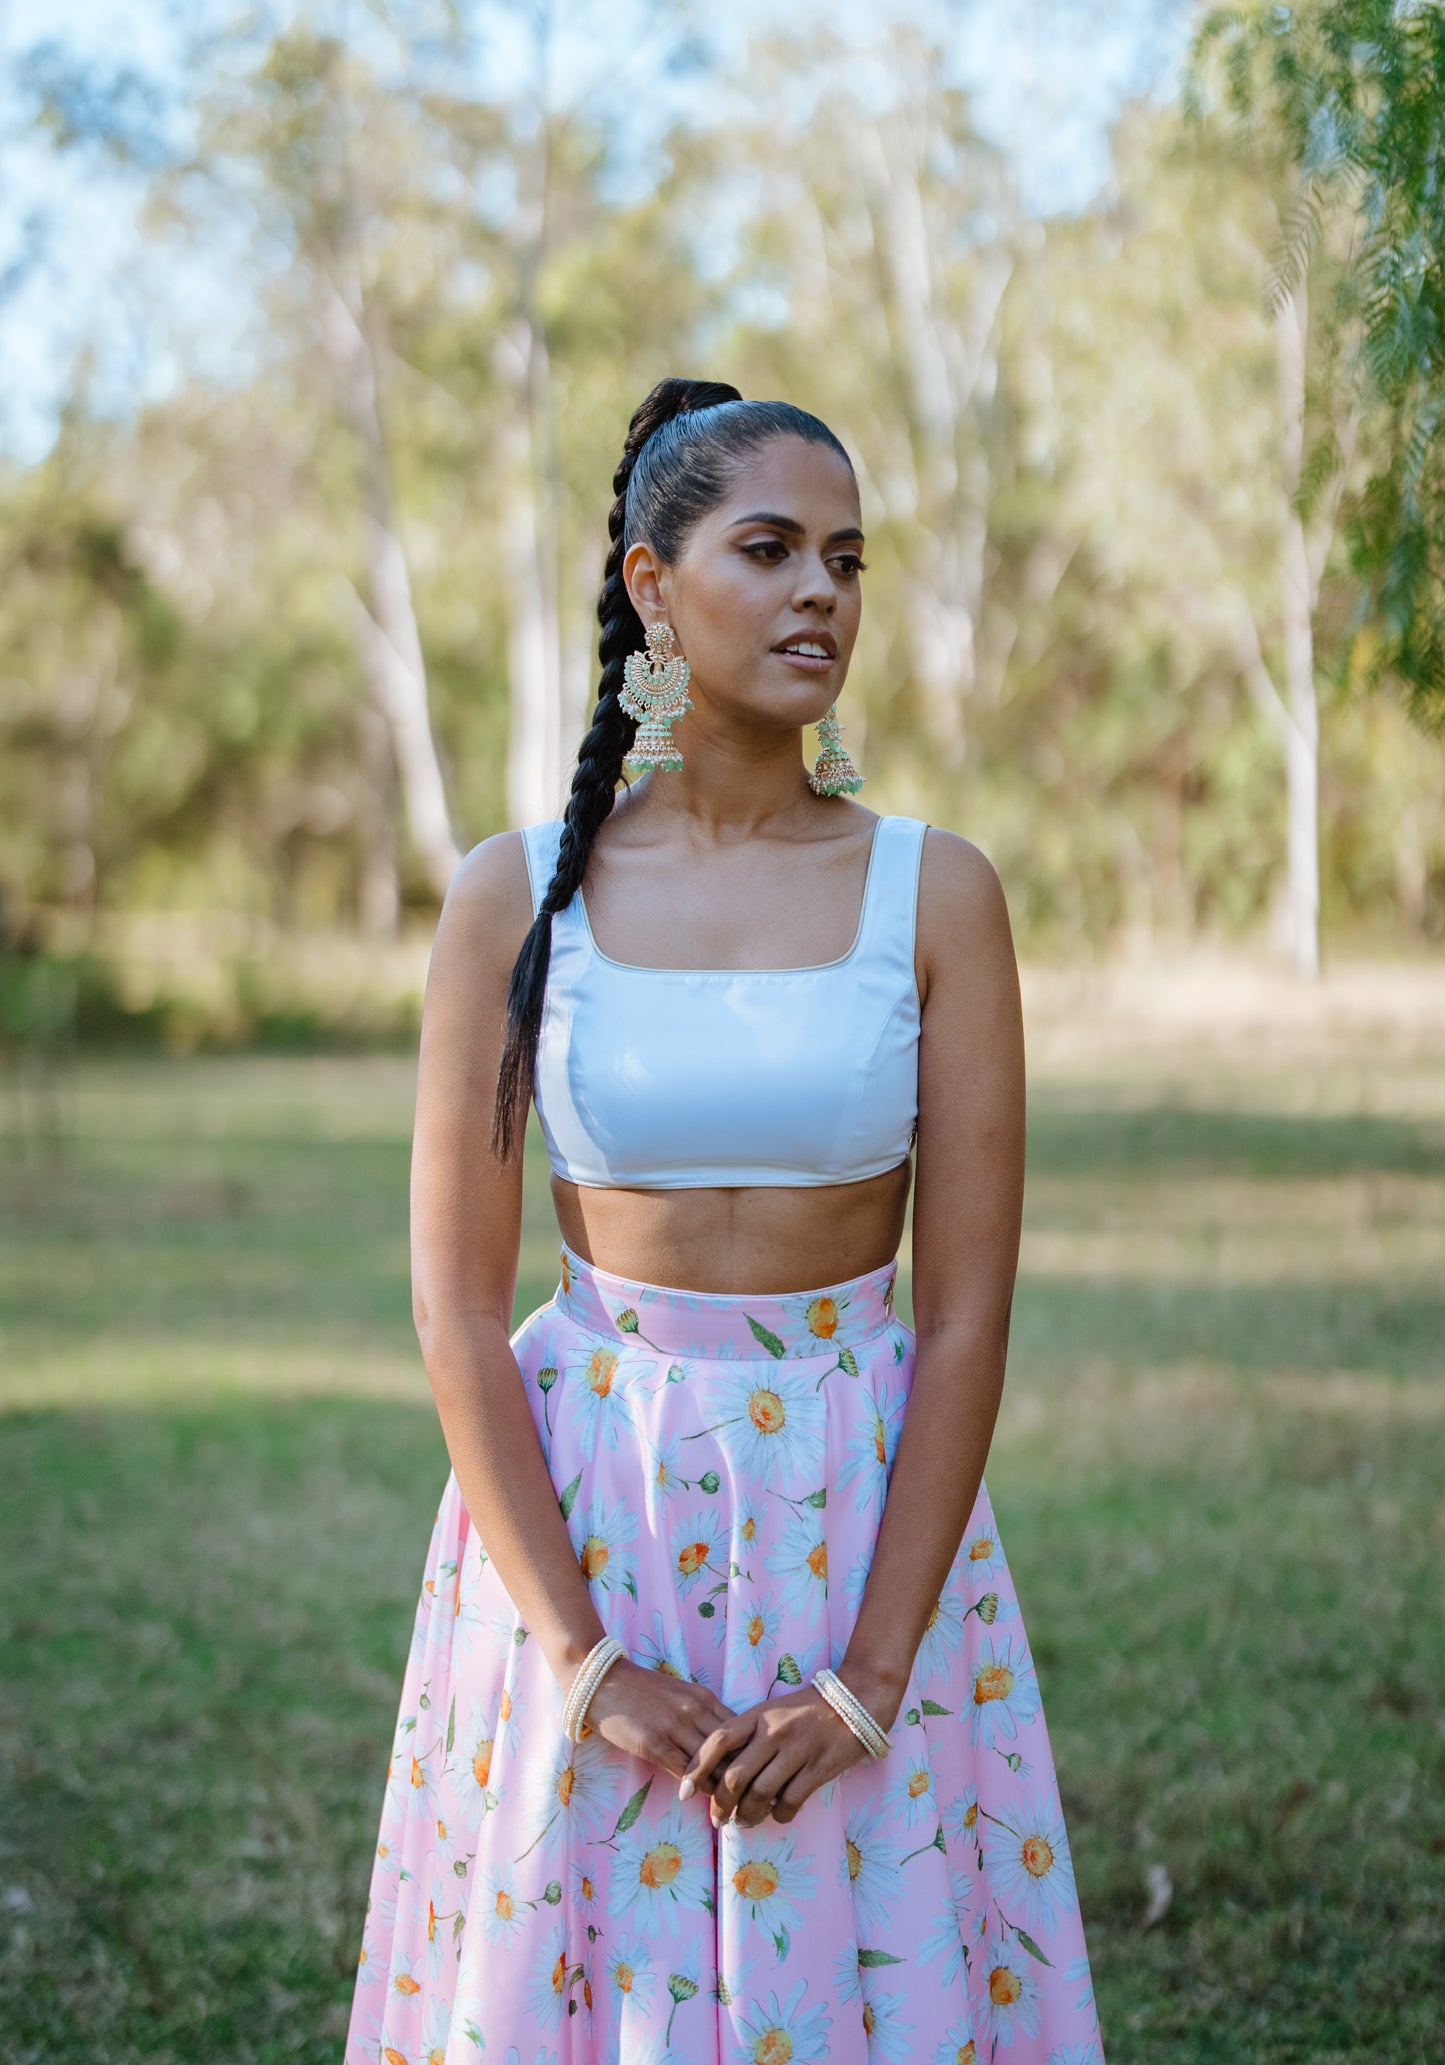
[[662, 1719]]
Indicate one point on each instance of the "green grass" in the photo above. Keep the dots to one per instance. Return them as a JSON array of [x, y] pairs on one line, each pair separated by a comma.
[[1218, 1470]]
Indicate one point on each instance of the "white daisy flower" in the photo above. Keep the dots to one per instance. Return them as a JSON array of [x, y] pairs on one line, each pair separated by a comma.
[[870, 1867], [403, 1981], [883, 2023], [666, 1464], [698, 1550], [601, 1534], [960, 1819], [943, 1636], [662, 1867], [1005, 1691], [945, 1939], [476, 1747], [784, 2030], [1077, 1973], [766, 1877], [871, 1449], [749, 1515], [910, 1797], [772, 1429], [629, 1970], [1013, 1992], [958, 2046], [551, 1977], [1077, 2054], [570, 1796], [980, 1555], [753, 1624], [661, 1651], [1028, 1859], [818, 1316], [436, 2029], [592, 1381], [502, 1908], [856, 1579], [801, 1561]]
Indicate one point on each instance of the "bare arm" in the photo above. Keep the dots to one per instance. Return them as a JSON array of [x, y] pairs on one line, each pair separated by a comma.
[[466, 1213], [967, 1215]]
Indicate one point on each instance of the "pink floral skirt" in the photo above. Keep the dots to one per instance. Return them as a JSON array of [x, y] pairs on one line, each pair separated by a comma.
[[722, 1464]]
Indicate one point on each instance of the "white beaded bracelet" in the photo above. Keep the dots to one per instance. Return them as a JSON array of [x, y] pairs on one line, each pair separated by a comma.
[[590, 1672], [852, 1712]]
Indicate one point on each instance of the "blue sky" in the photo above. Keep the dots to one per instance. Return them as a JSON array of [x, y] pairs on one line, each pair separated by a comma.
[[1047, 77]]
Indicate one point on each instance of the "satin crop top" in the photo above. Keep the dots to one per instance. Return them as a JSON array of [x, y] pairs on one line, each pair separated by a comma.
[[678, 1078]]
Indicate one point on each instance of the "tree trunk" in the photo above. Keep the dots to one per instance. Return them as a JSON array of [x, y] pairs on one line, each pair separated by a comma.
[[1302, 757], [390, 643]]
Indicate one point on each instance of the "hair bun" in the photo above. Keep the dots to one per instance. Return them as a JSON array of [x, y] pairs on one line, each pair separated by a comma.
[[674, 397]]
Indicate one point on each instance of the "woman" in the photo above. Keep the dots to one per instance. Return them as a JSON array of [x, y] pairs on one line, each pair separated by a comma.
[[801, 1805]]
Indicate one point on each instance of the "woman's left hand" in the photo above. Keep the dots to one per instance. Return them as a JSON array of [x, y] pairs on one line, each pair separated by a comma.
[[772, 1758]]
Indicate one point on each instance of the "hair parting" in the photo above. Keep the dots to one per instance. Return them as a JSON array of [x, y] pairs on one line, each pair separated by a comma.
[[682, 446]]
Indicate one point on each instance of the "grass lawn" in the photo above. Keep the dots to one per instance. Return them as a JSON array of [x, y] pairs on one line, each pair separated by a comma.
[[1218, 1470]]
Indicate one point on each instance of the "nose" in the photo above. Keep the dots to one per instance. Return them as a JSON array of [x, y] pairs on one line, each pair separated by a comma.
[[813, 587]]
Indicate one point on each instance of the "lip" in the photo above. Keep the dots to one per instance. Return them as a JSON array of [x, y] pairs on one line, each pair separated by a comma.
[[810, 663]]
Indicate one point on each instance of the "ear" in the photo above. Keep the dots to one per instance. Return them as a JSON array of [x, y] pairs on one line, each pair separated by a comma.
[[642, 574]]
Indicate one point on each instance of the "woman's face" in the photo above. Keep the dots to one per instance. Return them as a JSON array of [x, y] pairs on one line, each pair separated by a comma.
[[771, 571]]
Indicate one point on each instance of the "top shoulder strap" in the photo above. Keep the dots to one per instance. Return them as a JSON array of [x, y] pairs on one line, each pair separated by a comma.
[[891, 917], [540, 843]]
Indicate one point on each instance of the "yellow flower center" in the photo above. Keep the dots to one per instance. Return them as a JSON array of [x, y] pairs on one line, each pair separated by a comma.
[[870, 2020], [566, 1783], [981, 1550], [691, 1558], [823, 1318], [855, 1857], [431, 1921], [589, 1891], [765, 1410], [756, 1879], [506, 1906], [967, 2055], [879, 1449], [994, 1681], [623, 1975], [482, 1763], [756, 1629], [918, 1784], [1004, 1986], [970, 1815], [404, 1983], [418, 1776], [749, 1529], [661, 1865], [559, 1973], [773, 2047], [1038, 1856], [506, 1708], [393, 2057], [818, 1561], [601, 1370], [594, 1556]]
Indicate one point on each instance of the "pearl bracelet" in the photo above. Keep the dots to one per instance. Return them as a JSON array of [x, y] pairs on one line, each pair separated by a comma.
[[852, 1712], [590, 1673]]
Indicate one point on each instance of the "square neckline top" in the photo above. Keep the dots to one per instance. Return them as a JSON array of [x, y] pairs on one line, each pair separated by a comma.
[[798, 968], [674, 1078]]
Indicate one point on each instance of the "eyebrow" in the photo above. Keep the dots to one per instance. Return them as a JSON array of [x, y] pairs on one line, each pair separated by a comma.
[[790, 523]]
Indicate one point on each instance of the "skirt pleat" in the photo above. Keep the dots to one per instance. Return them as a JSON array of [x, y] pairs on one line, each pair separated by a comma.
[[722, 1464]]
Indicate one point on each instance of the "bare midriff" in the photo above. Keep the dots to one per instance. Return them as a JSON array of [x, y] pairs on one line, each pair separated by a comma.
[[764, 1238]]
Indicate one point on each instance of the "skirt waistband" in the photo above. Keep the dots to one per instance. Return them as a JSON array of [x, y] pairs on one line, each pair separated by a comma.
[[729, 1327]]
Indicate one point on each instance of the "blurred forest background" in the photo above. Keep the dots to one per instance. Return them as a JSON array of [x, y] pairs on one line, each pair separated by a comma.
[[280, 641], [321, 327]]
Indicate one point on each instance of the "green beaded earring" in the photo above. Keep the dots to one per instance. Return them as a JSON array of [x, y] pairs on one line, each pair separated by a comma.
[[834, 773]]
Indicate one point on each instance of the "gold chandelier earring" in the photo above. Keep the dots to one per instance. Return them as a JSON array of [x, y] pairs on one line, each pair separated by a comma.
[[833, 773], [655, 693]]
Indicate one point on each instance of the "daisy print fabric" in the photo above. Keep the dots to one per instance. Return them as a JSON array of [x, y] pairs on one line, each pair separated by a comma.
[[722, 1465]]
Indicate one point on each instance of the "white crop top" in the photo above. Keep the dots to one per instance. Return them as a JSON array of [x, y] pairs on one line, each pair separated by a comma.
[[677, 1078]]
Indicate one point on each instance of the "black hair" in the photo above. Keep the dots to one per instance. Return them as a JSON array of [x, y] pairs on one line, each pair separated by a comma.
[[682, 449]]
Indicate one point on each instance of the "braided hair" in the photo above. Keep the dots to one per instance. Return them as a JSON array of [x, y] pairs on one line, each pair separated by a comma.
[[683, 445]]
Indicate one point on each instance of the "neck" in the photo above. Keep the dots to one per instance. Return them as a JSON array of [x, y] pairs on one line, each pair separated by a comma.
[[732, 783]]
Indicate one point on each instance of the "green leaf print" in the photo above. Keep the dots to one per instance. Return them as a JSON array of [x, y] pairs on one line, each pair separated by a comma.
[[817, 1499], [788, 1670], [706, 1608], [546, 1378], [781, 1942], [627, 1321], [452, 1725], [848, 1362], [765, 1339], [633, 1808], [931, 1706], [709, 1481], [872, 1959], [1031, 1947], [553, 1894], [569, 1497], [913, 1718]]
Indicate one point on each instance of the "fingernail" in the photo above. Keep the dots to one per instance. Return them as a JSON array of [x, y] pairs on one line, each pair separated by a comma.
[[686, 1790]]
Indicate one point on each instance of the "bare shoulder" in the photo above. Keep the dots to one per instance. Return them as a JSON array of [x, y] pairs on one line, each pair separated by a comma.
[[488, 908], [962, 910]]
